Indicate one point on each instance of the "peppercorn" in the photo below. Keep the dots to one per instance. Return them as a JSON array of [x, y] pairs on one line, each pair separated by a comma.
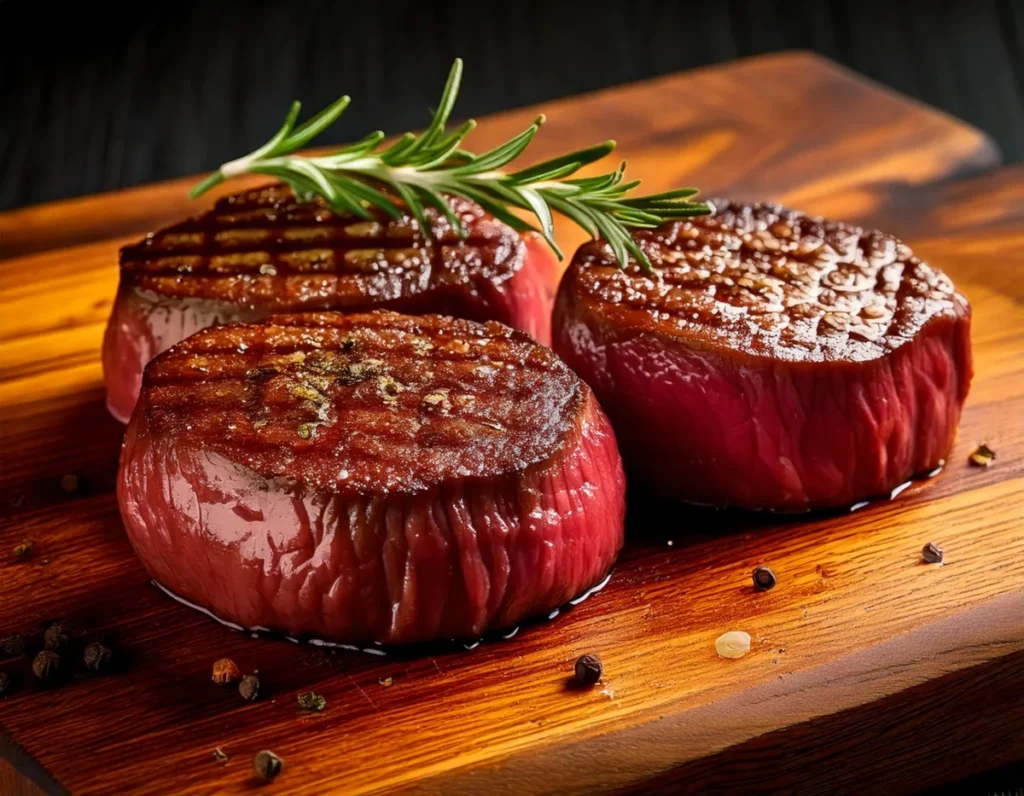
[[14, 644], [588, 669], [312, 701], [764, 579], [5, 683], [46, 665], [69, 483], [98, 656], [57, 636], [249, 688], [932, 553], [225, 671], [267, 764]]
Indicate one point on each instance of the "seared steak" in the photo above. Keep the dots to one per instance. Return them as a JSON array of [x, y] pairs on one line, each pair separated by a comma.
[[776, 361], [370, 477], [262, 252]]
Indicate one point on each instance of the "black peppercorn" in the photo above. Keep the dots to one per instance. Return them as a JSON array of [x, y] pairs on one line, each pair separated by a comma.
[[57, 636], [14, 644], [764, 579], [249, 688], [46, 665], [932, 553], [5, 683], [98, 656], [267, 764], [588, 669]]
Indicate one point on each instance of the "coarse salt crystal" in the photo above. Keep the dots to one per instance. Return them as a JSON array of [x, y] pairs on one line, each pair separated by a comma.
[[734, 644]]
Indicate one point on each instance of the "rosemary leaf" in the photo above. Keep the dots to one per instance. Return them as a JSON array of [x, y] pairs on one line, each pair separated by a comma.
[[417, 171]]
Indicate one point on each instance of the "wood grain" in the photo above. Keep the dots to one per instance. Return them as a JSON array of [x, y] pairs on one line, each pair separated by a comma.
[[864, 660], [791, 125]]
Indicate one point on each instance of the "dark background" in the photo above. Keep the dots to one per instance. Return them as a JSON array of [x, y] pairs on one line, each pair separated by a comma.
[[95, 96]]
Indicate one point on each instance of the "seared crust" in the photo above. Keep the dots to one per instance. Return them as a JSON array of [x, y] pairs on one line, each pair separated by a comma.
[[262, 249], [370, 403], [762, 280]]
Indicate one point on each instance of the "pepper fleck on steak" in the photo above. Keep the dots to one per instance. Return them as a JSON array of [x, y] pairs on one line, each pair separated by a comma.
[[777, 360], [261, 252], [370, 477]]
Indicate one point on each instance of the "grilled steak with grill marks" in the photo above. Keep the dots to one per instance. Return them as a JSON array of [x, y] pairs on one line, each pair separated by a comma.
[[261, 252], [779, 361], [375, 477]]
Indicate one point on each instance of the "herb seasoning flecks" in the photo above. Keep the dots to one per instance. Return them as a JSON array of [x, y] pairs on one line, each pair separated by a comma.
[[311, 701]]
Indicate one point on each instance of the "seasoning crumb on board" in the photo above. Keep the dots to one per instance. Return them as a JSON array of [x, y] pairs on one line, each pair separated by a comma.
[[982, 456], [69, 483], [387, 682], [249, 688], [220, 755], [225, 671], [932, 553], [311, 701], [24, 550], [734, 644], [267, 765]]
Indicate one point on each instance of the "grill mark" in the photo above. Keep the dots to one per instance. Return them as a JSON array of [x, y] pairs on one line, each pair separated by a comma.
[[804, 300], [208, 248], [224, 393], [336, 262], [498, 357]]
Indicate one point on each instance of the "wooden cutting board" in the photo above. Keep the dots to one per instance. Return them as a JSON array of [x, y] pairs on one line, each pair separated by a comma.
[[865, 662]]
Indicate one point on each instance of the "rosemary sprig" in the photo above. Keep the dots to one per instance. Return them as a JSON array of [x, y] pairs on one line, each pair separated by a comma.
[[419, 170]]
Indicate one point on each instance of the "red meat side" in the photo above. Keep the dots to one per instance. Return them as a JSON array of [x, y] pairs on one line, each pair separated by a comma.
[[391, 523], [717, 400], [261, 252]]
